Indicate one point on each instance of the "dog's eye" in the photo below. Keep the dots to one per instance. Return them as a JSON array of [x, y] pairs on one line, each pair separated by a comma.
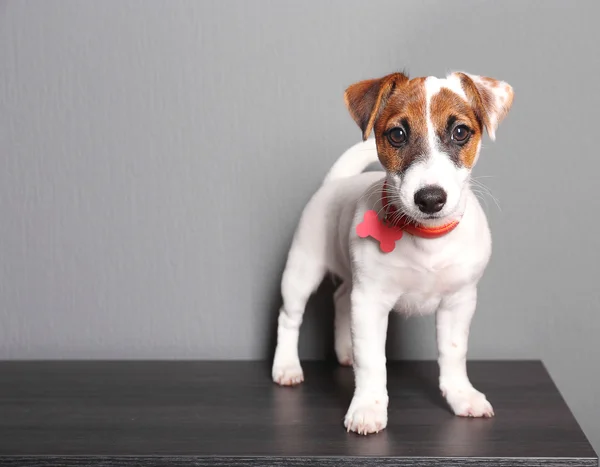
[[397, 136], [461, 134]]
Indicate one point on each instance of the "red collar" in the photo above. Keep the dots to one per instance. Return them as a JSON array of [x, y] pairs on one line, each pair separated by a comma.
[[409, 226]]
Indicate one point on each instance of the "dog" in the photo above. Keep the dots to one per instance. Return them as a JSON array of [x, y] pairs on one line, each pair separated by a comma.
[[413, 239]]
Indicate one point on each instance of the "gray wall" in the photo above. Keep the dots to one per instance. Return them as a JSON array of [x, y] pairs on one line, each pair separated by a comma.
[[155, 157]]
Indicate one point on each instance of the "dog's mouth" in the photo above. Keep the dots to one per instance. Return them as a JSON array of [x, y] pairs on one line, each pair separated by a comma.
[[418, 218], [404, 210], [408, 215], [429, 219]]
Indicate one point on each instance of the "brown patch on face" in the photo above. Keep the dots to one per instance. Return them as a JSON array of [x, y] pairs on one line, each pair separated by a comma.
[[491, 99], [366, 99], [448, 111], [479, 101], [406, 108], [394, 101]]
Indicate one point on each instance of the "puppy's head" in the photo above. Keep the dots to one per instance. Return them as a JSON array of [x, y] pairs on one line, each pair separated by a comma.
[[428, 133]]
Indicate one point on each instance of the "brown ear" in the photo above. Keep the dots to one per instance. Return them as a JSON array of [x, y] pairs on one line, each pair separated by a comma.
[[491, 99], [365, 99]]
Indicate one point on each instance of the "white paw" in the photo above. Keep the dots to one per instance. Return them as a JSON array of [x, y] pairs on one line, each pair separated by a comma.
[[468, 402], [366, 415], [287, 374]]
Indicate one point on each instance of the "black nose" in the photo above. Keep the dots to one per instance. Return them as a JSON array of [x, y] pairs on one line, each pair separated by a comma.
[[430, 199]]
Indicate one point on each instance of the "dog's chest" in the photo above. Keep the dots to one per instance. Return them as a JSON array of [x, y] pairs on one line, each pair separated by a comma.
[[422, 290], [424, 277], [441, 279]]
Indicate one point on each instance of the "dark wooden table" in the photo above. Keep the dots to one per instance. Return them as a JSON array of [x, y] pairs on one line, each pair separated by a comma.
[[230, 413]]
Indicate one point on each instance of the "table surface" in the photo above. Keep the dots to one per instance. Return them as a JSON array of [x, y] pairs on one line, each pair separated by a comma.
[[230, 413]]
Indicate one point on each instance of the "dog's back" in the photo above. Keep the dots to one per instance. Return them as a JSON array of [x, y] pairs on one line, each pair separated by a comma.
[[322, 233]]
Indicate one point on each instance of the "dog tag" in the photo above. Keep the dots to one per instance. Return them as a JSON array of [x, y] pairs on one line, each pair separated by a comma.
[[386, 235]]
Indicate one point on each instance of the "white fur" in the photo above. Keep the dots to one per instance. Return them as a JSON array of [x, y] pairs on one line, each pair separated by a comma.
[[419, 276]]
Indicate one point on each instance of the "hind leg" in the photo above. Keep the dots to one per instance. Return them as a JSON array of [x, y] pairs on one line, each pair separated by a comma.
[[343, 336], [301, 278]]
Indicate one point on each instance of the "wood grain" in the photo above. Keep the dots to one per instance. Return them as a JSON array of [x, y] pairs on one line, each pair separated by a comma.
[[229, 413]]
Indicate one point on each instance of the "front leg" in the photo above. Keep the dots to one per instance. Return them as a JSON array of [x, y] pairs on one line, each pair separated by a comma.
[[369, 319], [453, 322]]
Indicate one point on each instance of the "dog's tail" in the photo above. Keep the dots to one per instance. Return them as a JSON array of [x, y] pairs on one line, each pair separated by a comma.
[[353, 161]]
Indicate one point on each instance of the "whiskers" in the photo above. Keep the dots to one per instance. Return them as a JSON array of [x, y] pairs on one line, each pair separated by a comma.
[[376, 189], [482, 191], [398, 216]]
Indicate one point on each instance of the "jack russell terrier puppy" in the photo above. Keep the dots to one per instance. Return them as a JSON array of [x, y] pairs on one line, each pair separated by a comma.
[[414, 239]]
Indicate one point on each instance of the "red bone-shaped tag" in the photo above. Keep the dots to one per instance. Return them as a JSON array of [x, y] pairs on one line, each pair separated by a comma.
[[372, 226]]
